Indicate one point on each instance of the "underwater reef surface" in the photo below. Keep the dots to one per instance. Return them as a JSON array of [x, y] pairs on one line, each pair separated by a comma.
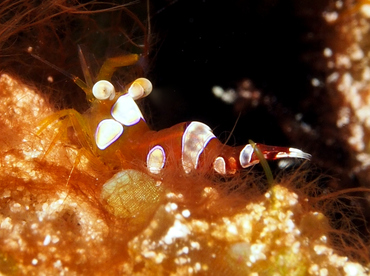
[[55, 220], [63, 213]]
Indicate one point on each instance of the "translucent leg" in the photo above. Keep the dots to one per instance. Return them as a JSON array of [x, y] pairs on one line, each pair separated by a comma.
[[64, 119]]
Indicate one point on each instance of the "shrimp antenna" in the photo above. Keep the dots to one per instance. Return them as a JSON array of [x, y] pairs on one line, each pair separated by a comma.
[[75, 79], [148, 16], [233, 129], [165, 7], [85, 67]]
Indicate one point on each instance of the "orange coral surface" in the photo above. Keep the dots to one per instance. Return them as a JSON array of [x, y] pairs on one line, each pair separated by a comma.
[[55, 220], [62, 213]]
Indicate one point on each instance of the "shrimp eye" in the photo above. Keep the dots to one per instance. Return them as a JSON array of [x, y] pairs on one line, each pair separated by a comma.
[[103, 90], [140, 88]]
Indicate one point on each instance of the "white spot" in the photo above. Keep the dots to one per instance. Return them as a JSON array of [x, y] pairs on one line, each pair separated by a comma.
[[357, 138], [170, 207], [6, 192], [314, 268], [173, 206], [323, 239], [315, 82], [229, 96], [107, 132], [58, 264], [34, 261], [366, 73], [126, 111], [6, 224], [184, 250], [232, 229], [197, 266], [257, 252], [343, 61], [195, 245], [245, 156], [333, 77], [218, 91], [365, 10], [330, 17], [47, 240], [54, 239], [155, 159], [353, 269], [181, 261], [322, 249], [219, 165], [285, 163], [324, 272], [328, 52], [194, 140], [16, 207], [296, 247], [343, 116], [355, 52], [338, 4], [186, 213], [178, 230]]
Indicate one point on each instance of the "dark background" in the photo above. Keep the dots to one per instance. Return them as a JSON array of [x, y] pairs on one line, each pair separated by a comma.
[[201, 43]]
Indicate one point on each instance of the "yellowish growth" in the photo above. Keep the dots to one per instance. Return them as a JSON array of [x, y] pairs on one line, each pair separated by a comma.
[[133, 196]]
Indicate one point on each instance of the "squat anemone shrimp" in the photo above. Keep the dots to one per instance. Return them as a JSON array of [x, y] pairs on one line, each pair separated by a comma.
[[202, 227], [115, 131], [113, 135]]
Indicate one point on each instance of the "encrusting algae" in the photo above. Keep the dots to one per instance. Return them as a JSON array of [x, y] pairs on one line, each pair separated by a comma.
[[63, 217], [272, 236], [53, 222]]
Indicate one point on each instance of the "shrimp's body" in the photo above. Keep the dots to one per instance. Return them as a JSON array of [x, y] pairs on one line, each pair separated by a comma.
[[114, 130]]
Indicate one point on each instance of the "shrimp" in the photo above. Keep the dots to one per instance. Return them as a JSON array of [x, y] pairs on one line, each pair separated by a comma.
[[115, 131]]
